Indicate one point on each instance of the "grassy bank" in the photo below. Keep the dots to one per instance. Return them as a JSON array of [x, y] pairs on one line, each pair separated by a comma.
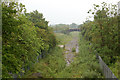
[[49, 66], [64, 38]]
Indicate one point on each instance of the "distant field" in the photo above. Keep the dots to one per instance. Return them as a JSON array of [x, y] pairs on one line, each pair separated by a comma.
[[64, 38], [74, 34]]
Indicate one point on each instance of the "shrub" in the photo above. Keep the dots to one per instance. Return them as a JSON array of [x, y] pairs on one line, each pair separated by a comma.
[[73, 50]]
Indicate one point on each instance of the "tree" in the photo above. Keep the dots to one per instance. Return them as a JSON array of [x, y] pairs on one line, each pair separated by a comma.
[[73, 25], [22, 41], [37, 19], [103, 31]]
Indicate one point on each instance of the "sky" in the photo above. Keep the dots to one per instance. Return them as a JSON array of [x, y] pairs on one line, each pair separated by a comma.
[[63, 11]]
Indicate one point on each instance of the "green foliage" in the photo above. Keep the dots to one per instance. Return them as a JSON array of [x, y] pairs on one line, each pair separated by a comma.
[[63, 38], [37, 19], [50, 66], [84, 64], [73, 25], [23, 40], [26, 36], [116, 67], [0, 56], [103, 32], [54, 65], [74, 34], [61, 28], [73, 50]]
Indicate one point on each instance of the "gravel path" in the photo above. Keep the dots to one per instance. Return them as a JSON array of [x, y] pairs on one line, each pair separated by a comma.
[[69, 56]]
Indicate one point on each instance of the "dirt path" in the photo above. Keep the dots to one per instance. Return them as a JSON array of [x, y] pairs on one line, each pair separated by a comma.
[[69, 55]]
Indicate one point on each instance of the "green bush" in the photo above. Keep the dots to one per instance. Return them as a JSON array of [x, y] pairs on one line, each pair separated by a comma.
[[73, 50], [50, 66], [102, 32], [23, 39]]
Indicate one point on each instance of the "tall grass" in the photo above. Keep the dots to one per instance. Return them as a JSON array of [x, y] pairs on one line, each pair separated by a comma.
[[49, 66], [64, 38]]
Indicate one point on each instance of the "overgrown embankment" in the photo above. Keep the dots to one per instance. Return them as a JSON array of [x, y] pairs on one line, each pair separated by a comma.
[[26, 37], [84, 65], [48, 67], [52, 64], [103, 34]]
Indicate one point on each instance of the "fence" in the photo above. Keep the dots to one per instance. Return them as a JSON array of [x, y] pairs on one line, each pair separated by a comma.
[[105, 69]]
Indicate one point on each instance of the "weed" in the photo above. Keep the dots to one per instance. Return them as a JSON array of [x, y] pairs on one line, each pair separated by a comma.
[[73, 50]]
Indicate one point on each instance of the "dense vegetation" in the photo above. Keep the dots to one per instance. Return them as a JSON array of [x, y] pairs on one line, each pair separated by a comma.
[[54, 65], [0, 57], [84, 65], [63, 38], [26, 38], [48, 67], [29, 45], [63, 28], [103, 34]]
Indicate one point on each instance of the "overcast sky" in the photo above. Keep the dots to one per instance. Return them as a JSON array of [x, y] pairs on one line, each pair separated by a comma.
[[63, 11]]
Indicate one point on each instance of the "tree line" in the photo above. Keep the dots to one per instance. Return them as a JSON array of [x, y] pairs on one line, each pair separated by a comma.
[[63, 28], [26, 37], [103, 33]]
